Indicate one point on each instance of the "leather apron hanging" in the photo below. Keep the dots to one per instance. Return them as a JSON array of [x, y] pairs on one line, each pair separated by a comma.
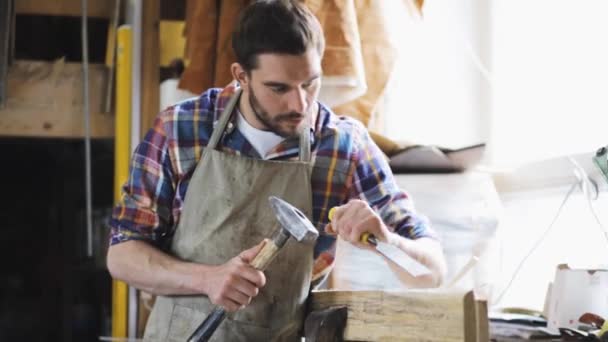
[[226, 211]]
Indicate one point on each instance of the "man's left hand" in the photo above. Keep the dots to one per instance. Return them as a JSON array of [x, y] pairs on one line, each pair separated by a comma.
[[356, 217]]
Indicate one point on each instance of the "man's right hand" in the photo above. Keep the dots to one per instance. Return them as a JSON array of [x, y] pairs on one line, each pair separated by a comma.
[[233, 284]]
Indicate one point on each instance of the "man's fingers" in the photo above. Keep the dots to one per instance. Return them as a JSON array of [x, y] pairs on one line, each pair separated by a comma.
[[249, 254], [229, 305], [329, 229], [364, 226], [247, 288], [351, 220], [236, 295], [335, 213], [354, 237], [254, 276], [357, 233], [239, 298], [344, 215], [336, 216]]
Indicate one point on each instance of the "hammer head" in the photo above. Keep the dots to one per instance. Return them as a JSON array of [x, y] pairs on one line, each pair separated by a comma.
[[293, 220]]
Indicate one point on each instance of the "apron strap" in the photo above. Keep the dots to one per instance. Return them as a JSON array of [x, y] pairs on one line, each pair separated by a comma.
[[220, 127], [223, 120], [304, 155]]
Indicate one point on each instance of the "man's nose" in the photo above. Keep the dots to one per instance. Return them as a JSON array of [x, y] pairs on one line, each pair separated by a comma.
[[297, 101]]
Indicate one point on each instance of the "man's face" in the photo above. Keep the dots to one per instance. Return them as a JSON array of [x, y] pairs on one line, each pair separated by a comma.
[[282, 91]]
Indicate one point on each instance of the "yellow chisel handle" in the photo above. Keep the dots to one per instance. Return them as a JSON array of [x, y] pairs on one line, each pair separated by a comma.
[[366, 238]]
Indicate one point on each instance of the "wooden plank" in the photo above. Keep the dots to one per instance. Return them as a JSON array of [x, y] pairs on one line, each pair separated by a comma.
[[45, 100], [412, 315], [96, 8], [150, 73]]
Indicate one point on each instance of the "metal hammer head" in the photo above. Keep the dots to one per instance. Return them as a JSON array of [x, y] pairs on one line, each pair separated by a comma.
[[293, 220]]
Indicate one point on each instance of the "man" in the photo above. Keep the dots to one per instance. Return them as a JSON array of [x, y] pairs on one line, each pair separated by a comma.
[[196, 198]]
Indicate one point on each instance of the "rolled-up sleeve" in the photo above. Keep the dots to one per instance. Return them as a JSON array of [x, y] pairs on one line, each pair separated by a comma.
[[144, 209]]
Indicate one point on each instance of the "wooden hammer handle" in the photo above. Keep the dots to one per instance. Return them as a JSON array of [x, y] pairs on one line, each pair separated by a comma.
[[265, 256]]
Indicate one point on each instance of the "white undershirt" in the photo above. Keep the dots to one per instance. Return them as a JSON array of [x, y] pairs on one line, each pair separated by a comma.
[[262, 141]]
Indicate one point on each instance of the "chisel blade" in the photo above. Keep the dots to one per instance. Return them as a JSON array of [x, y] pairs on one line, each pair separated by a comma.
[[401, 258]]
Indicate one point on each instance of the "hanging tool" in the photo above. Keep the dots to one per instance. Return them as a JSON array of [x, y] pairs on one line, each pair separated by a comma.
[[391, 252], [292, 223]]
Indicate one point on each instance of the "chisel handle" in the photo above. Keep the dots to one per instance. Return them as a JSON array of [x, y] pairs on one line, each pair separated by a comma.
[[206, 329], [366, 238]]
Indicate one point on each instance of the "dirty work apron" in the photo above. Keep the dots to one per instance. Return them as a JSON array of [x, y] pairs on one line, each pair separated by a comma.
[[226, 211]]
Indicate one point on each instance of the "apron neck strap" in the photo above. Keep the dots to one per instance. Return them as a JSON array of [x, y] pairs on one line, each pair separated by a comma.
[[304, 155], [220, 127]]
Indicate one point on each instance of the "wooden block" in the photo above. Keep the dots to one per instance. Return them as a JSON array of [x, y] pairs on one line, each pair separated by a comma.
[[45, 99], [412, 315]]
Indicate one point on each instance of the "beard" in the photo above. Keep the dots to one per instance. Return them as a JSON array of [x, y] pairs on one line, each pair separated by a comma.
[[274, 124]]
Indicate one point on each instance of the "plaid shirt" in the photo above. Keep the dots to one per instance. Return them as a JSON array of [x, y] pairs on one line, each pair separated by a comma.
[[347, 165]]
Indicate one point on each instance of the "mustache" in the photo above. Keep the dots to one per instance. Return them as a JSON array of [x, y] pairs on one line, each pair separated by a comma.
[[290, 116]]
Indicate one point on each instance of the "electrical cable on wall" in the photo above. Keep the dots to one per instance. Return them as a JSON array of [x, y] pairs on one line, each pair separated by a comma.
[[590, 192], [87, 128], [538, 242]]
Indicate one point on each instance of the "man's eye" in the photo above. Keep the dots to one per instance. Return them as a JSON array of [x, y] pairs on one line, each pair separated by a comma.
[[309, 84], [278, 89]]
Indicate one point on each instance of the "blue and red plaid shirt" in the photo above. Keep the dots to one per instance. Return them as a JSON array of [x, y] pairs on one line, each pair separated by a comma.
[[347, 165]]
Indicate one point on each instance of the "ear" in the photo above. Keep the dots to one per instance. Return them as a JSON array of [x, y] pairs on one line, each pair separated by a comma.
[[239, 74]]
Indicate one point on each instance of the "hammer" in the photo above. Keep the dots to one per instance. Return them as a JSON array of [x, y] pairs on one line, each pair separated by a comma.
[[292, 223]]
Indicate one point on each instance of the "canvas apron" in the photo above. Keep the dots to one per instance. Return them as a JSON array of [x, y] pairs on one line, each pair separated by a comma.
[[226, 211]]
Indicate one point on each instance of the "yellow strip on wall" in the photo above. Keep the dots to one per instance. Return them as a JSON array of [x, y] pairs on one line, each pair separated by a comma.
[[122, 151]]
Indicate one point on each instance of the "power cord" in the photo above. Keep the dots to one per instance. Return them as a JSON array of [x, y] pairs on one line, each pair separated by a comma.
[[538, 242], [586, 184]]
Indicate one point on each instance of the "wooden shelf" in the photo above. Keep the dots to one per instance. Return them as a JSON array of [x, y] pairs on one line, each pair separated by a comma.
[[44, 99], [96, 8], [42, 107]]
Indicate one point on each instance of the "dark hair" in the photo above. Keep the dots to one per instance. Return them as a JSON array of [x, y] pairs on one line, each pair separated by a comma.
[[275, 26]]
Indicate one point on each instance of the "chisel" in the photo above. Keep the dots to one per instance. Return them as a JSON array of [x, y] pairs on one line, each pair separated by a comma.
[[392, 253]]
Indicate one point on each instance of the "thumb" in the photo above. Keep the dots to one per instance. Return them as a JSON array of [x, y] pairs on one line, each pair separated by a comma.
[[249, 254]]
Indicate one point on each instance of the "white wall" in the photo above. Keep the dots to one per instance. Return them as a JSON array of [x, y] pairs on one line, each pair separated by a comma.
[[575, 238], [433, 97], [530, 77]]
